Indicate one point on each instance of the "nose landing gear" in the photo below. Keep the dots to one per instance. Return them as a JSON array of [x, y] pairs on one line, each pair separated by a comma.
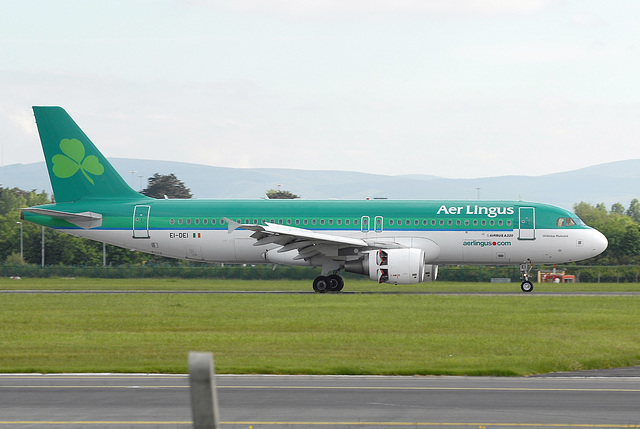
[[526, 285]]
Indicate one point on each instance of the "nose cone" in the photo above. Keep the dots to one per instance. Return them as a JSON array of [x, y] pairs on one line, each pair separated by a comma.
[[598, 242]]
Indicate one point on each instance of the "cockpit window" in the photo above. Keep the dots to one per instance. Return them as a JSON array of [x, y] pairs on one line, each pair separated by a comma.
[[561, 221]]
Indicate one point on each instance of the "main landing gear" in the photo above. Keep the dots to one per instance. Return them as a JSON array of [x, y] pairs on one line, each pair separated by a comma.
[[331, 283], [526, 285]]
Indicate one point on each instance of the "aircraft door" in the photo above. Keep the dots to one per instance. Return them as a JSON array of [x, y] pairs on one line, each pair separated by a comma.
[[364, 224], [527, 223], [141, 221], [379, 222]]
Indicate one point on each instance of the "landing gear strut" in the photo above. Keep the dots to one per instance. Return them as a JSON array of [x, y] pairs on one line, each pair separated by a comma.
[[331, 283], [526, 285]]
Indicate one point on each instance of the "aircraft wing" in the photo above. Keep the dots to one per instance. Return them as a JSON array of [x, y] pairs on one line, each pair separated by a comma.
[[308, 243], [85, 220]]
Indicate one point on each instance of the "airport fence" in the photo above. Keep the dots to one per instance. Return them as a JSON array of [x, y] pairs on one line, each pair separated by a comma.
[[456, 273]]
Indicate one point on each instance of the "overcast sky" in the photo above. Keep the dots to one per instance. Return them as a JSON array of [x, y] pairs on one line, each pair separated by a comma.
[[453, 88]]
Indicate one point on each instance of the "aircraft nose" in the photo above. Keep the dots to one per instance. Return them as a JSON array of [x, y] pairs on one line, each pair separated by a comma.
[[599, 242]]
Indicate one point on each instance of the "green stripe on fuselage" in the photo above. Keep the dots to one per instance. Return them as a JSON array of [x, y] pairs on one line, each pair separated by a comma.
[[388, 215]]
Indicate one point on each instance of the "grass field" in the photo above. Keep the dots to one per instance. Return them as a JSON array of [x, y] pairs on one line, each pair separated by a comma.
[[351, 285], [316, 334]]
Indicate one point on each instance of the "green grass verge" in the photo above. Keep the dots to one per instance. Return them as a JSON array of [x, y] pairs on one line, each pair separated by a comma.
[[315, 334], [351, 285]]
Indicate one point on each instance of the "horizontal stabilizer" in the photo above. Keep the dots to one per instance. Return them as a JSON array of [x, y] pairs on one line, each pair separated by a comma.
[[85, 220]]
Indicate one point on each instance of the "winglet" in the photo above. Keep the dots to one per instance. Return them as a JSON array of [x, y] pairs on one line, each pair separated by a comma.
[[233, 225]]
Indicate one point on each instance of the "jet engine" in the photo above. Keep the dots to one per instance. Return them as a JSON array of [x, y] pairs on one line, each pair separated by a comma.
[[395, 266]]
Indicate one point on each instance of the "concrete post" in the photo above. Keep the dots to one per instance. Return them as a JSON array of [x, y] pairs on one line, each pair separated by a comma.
[[204, 401]]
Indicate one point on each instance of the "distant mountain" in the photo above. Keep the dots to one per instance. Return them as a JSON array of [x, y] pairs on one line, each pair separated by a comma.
[[605, 183]]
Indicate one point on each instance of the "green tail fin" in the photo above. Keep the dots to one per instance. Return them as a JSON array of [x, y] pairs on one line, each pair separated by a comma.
[[77, 169]]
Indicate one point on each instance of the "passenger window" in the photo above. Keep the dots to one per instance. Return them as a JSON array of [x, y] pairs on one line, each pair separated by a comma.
[[560, 221], [450, 222], [297, 221], [306, 222], [466, 222], [213, 221], [321, 221], [179, 221], [197, 221], [205, 221], [425, 222], [188, 221], [458, 222], [408, 222], [390, 221], [330, 221], [172, 221], [313, 222], [339, 221]]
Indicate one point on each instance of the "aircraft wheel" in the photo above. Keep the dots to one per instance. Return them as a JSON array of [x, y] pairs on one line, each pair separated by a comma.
[[321, 284], [336, 283], [526, 286]]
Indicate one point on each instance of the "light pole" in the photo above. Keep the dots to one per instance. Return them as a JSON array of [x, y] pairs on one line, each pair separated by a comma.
[[21, 243], [42, 247]]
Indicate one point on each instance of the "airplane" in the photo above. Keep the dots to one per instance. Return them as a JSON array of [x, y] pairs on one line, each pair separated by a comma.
[[389, 241]]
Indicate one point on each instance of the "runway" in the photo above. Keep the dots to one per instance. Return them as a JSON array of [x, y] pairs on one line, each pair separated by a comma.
[[305, 292], [124, 400]]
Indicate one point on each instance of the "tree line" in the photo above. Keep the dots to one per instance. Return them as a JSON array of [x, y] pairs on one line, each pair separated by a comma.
[[64, 249], [620, 225]]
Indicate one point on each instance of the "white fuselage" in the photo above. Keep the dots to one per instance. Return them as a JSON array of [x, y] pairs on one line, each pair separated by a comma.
[[455, 247]]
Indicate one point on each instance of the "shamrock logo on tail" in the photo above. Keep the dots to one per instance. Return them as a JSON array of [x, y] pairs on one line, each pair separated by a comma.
[[65, 166]]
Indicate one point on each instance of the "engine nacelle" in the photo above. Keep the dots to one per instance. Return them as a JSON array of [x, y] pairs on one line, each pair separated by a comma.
[[430, 273], [395, 266]]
